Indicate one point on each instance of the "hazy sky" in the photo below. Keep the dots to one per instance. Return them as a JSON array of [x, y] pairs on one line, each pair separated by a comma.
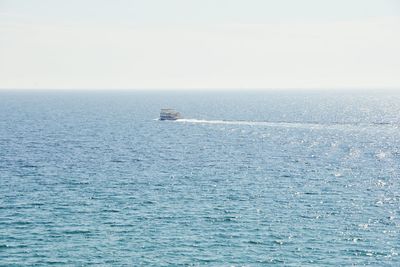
[[199, 44]]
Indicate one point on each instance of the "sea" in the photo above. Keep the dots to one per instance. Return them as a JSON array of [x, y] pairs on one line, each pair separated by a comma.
[[247, 178]]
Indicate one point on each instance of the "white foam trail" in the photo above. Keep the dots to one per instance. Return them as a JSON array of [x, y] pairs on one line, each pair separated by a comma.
[[254, 123]]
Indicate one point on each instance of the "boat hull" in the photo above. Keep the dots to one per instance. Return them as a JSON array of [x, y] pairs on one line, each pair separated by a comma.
[[169, 115]]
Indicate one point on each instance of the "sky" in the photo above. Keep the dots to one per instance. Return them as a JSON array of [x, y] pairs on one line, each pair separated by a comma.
[[199, 44]]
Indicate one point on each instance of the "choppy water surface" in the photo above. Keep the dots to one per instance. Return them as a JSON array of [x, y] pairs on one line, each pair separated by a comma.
[[246, 179]]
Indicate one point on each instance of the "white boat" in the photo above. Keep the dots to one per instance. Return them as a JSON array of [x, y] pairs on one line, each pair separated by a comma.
[[169, 114]]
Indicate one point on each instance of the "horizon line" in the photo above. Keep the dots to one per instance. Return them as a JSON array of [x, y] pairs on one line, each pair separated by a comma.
[[384, 88]]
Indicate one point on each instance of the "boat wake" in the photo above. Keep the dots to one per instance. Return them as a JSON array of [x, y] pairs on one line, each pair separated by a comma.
[[308, 125], [252, 123]]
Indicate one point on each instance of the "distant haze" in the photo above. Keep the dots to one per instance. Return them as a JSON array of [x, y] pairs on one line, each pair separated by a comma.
[[204, 44]]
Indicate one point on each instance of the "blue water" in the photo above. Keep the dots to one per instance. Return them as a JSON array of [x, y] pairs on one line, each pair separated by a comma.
[[253, 179]]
